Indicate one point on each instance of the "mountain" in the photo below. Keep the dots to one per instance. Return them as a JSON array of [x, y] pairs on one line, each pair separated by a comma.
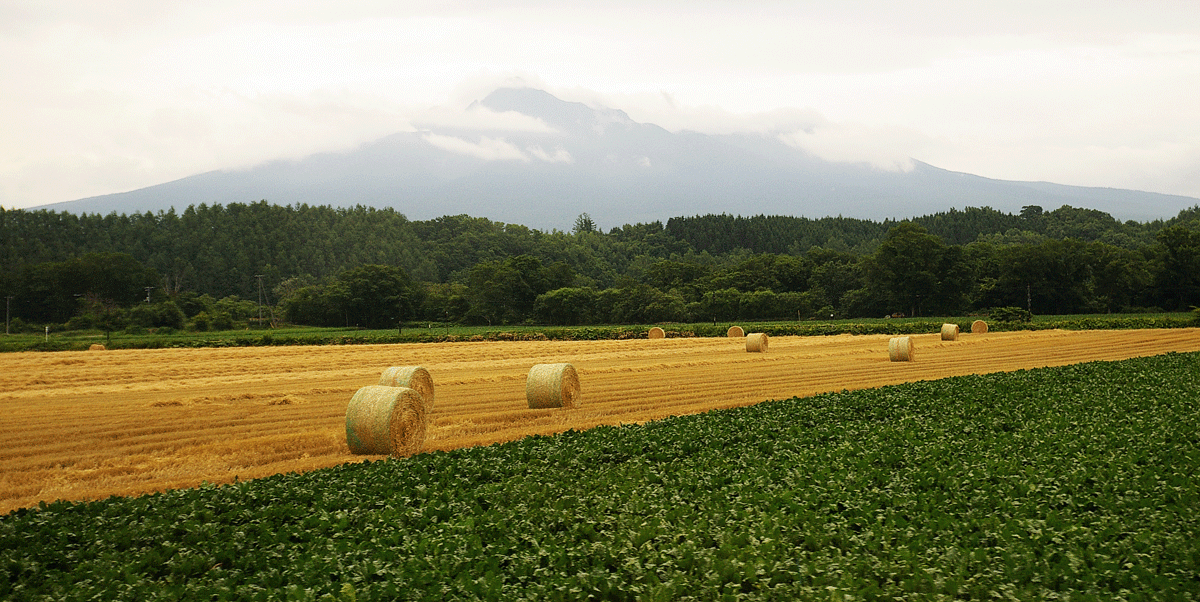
[[619, 171]]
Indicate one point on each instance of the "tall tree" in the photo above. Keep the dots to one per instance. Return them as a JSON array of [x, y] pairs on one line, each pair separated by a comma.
[[379, 296], [918, 273], [504, 292], [584, 224], [54, 291], [568, 306], [1055, 277], [1177, 276]]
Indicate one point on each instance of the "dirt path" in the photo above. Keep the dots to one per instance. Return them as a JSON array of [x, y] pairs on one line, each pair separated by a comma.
[[87, 425]]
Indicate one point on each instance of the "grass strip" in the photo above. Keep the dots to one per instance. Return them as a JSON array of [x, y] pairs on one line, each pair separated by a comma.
[[80, 341]]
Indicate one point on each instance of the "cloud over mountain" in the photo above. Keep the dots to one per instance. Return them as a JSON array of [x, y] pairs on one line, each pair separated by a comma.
[[488, 148]]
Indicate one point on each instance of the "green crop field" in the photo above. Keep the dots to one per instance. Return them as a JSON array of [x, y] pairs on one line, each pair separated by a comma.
[[1071, 483]]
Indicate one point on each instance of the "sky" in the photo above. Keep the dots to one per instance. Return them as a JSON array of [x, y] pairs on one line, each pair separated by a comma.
[[104, 97]]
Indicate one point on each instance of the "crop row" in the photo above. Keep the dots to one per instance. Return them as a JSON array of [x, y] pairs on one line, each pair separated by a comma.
[[1077, 482]]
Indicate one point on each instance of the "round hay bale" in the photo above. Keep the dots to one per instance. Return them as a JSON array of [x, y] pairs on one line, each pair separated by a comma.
[[978, 327], [412, 377], [900, 349], [735, 332], [656, 333], [949, 332], [386, 420], [756, 342], [552, 386], [97, 347]]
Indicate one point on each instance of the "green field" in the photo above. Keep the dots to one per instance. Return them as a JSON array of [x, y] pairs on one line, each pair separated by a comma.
[[1071, 483], [433, 332]]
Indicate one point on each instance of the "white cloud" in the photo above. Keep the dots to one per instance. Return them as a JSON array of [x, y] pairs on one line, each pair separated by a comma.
[[560, 155], [665, 110], [479, 117], [488, 148], [885, 148]]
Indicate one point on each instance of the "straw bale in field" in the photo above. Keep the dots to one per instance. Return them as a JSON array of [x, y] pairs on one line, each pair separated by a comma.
[[900, 349], [413, 377], [656, 333], [979, 327], [97, 347], [386, 420], [949, 332], [735, 332], [552, 386], [756, 342]]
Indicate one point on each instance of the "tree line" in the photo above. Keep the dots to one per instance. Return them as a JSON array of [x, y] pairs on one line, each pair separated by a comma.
[[217, 266]]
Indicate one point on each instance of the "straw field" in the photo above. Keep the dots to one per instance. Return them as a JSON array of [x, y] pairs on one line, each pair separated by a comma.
[[80, 425]]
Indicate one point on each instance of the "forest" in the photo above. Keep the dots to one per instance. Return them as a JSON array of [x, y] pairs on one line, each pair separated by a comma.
[[258, 264]]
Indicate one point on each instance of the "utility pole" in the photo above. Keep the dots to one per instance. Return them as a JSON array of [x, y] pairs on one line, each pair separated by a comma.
[[1028, 298], [7, 311], [260, 296]]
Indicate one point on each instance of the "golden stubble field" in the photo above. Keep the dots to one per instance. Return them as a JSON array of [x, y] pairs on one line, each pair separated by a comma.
[[87, 425]]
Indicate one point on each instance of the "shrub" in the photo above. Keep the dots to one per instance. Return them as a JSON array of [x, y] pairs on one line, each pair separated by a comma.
[[193, 303], [1141, 310], [83, 322], [17, 325], [1011, 314], [202, 321], [222, 321], [156, 315]]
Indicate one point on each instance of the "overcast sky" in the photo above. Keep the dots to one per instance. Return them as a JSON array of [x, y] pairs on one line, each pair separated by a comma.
[[102, 97]]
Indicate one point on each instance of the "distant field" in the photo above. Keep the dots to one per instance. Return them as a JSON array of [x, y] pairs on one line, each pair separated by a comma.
[[87, 425], [426, 332]]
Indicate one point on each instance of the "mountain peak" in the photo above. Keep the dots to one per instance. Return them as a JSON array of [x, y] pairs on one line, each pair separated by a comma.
[[565, 115]]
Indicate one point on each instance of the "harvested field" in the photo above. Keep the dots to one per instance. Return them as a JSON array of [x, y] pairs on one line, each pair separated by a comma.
[[79, 425]]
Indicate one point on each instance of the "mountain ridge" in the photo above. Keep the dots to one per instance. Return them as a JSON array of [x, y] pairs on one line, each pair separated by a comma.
[[619, 171]]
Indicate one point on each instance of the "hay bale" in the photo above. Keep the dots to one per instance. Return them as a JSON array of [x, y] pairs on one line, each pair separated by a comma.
[[756, 342], [412, 377], [386, 420], [978, 327], [97, 347], [900, 349], [656, 333], [552, 386], [735, 332], [949, 332]]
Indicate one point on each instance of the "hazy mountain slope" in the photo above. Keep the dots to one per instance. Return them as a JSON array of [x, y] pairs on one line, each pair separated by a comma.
[[618, 170]]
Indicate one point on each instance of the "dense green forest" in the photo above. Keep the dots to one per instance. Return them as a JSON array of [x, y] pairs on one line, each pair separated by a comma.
[[220, 266]]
